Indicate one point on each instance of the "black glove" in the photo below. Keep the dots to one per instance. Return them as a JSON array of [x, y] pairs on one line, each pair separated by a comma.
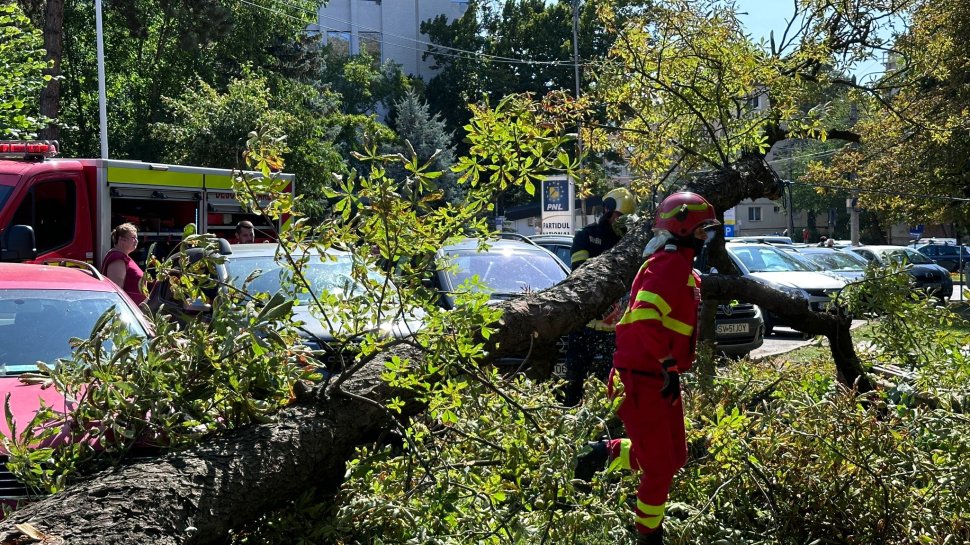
[[671, 387]]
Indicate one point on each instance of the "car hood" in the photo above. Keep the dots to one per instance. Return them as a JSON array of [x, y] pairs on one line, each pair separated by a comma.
[[25, 400], [929, 271], [314, 328], [808, 280]]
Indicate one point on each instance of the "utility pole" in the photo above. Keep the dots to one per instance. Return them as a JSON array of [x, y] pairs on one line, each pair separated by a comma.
[[579, 128], [102, 96], [791, 212], [854, 216]]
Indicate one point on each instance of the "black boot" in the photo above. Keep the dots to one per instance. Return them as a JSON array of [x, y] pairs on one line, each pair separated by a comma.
[[653, 538], [592, 461]]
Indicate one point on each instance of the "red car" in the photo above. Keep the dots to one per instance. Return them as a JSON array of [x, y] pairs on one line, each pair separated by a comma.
[[41, 308]]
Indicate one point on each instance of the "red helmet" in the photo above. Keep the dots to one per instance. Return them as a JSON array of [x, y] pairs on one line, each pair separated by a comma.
[[682, 212]]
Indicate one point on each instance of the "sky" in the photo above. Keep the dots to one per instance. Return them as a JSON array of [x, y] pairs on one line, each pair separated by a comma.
[[760, 17]]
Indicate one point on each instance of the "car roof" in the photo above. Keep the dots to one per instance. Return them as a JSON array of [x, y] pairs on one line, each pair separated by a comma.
[[556, 238], [48, 277], [494, 244], [264, 249], [882, 247]]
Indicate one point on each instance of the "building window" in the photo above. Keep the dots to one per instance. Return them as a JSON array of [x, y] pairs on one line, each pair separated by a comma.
[[777, 209], [370, 44], [754, 213], [339, 42]]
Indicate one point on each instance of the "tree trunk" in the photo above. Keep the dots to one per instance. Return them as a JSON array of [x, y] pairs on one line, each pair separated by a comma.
[[197, 496], [50, 96]]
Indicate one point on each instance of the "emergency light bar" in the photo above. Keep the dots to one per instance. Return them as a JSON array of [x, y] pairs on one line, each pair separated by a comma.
[[27, 149]]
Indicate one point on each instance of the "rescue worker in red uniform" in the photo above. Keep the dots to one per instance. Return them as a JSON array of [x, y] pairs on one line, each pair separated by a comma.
[[597, 336], [655, 342]]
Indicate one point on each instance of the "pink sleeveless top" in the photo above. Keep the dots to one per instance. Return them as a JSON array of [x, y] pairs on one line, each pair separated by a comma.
[[133, 273]]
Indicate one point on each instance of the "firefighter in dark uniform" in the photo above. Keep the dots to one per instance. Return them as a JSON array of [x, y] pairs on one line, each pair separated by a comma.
[[597, 337]]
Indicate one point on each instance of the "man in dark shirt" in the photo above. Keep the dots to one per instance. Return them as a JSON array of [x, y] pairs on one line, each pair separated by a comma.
[[597, 337]]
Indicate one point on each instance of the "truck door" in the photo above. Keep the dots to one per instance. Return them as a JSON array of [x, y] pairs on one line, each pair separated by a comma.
[[50, 206]]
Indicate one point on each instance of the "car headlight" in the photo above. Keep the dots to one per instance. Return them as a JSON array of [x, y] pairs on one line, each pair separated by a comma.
[[794, 292]]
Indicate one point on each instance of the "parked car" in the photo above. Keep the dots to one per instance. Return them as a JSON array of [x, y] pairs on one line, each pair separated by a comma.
[[846, 264], [781, 270], [41, 308], [927, 276], [507, 269], [951, 257], [561, 245], [739, 327], [257, 262]]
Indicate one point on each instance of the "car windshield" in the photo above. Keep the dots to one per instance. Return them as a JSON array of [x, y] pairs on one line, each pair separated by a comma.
[[906, 255], [837, 261], [323, 276], [768, 259], [506, 271], [36, 325]]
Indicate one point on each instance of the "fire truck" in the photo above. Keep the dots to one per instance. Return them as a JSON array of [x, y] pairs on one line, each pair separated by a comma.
[[72, 205]]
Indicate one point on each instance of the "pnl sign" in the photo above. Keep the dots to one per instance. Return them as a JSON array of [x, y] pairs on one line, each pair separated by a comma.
[[558, 196]]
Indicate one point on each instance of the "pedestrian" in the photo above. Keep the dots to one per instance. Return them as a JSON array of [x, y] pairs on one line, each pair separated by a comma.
[[596, 336], [821, 241], [830, 243], [245, 232], [118, 264], [655, 342], [806, 235]]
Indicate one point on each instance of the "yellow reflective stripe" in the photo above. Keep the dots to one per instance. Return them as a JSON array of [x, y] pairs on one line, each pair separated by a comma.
[[654, 299], [654, 514], [691, 282], [639, 314], [600, 325], [648, 509], [623, 460], [649, 522], [675, 211], [581, 255], [635, 315]]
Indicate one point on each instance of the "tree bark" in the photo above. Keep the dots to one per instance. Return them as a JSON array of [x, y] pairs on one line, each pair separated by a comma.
[[50, 96], [197, 496]]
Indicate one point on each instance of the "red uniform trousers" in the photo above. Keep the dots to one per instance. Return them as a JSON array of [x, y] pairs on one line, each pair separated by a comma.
[[656, 444]]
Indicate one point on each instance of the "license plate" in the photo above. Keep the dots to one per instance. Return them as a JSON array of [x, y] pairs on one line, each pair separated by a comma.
[[728, 329], [559, 370]]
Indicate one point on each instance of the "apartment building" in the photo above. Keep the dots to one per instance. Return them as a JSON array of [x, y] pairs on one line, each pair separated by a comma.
[[385, 29]]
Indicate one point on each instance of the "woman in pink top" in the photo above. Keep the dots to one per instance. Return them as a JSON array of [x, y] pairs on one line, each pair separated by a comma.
[[118, 264]]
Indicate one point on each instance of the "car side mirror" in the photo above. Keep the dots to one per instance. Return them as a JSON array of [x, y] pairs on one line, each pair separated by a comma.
[[224, 247], [18, 244]]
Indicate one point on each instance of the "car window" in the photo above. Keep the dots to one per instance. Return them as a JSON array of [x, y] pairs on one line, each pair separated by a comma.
[[947, 251], [866, 254], [768, 259], [906, 255], [36, 325], [505, 271], [837, 261], [322, 276]]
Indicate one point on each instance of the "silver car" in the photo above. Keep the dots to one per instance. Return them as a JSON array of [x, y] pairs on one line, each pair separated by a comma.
[[783, 271]]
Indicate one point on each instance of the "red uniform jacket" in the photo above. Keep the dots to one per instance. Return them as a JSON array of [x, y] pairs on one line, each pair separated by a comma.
[[661, 318]]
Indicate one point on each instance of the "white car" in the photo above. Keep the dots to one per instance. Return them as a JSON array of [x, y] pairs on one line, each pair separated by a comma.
[[781, 270]]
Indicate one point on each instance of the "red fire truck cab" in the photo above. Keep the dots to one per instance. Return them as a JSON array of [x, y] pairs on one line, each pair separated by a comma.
[[73, 204]]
